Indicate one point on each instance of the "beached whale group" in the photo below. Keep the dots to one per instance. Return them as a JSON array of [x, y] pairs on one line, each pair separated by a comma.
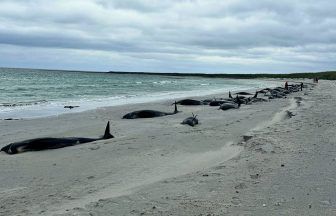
[[223, 104]]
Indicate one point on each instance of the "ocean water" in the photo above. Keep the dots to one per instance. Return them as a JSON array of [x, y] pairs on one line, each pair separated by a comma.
[[29, 93]]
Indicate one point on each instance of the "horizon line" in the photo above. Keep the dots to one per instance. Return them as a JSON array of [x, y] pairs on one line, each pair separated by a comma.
[[158, 73]]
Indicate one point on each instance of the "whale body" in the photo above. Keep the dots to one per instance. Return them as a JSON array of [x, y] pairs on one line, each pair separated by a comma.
[[39, 144], [148, 113]]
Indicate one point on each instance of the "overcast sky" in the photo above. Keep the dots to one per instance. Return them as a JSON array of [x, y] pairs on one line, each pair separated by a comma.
[[211, 36]]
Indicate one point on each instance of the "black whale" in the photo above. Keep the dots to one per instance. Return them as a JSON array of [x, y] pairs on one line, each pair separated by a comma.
[[39, 144], [148, 113]]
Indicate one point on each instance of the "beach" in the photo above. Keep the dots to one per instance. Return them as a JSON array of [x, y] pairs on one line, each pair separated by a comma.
[[267, 158]]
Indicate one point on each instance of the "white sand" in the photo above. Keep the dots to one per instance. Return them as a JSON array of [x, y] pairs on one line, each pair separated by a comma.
[[160, 167]]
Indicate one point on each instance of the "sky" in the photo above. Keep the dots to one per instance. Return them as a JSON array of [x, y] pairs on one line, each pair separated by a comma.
[[200, 36]]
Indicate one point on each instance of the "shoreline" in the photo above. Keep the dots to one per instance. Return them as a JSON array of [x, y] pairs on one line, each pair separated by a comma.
[[225, 165], [60, 110]]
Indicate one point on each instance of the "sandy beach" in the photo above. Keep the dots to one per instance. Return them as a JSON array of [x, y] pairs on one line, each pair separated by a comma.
[[256, 160]]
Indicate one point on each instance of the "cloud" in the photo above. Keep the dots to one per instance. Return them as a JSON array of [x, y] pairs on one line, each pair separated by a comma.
[[169, 35]]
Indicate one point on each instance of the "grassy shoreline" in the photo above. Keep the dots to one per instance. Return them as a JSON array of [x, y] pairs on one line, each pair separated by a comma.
[[327, 75]]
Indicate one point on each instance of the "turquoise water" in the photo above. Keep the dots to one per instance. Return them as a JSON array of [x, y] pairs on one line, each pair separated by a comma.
[[38, 93]]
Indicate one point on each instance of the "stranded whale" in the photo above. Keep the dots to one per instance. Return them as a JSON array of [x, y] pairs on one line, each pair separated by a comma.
[[39, 144], [189, 102], [148, 114], [192, 121]]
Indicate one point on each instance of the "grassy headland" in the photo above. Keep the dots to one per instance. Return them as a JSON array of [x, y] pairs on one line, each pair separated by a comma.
[[327, 75]]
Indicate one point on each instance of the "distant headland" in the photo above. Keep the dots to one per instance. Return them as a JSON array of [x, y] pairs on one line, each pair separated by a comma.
[[328, 75]]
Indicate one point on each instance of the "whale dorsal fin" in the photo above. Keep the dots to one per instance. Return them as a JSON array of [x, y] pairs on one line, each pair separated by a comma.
[[107, 134], [256, 94]]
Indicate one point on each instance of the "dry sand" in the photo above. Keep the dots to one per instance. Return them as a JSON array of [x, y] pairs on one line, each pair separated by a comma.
[[252, 161]]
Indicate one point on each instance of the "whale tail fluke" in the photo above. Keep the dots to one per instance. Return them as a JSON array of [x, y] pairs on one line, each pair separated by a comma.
[[107, 134]]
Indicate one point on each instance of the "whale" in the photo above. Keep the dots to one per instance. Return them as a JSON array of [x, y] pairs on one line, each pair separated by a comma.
[[190, 102], [219, 102], [255, 98], [263, 91], [45, 143], [239, 99], [207, 101], [227, 106], [192, 121], [244, 93], [148, 113], [231, 105]]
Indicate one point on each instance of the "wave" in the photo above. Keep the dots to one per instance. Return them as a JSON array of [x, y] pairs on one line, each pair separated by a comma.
[[24, 103]]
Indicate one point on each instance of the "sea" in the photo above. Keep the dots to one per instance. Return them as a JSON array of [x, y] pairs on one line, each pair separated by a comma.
[[31, 93]]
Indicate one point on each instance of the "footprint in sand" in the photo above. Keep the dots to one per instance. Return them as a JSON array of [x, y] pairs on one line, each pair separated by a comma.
[[240, 186], [235, 201], [94, 148]]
